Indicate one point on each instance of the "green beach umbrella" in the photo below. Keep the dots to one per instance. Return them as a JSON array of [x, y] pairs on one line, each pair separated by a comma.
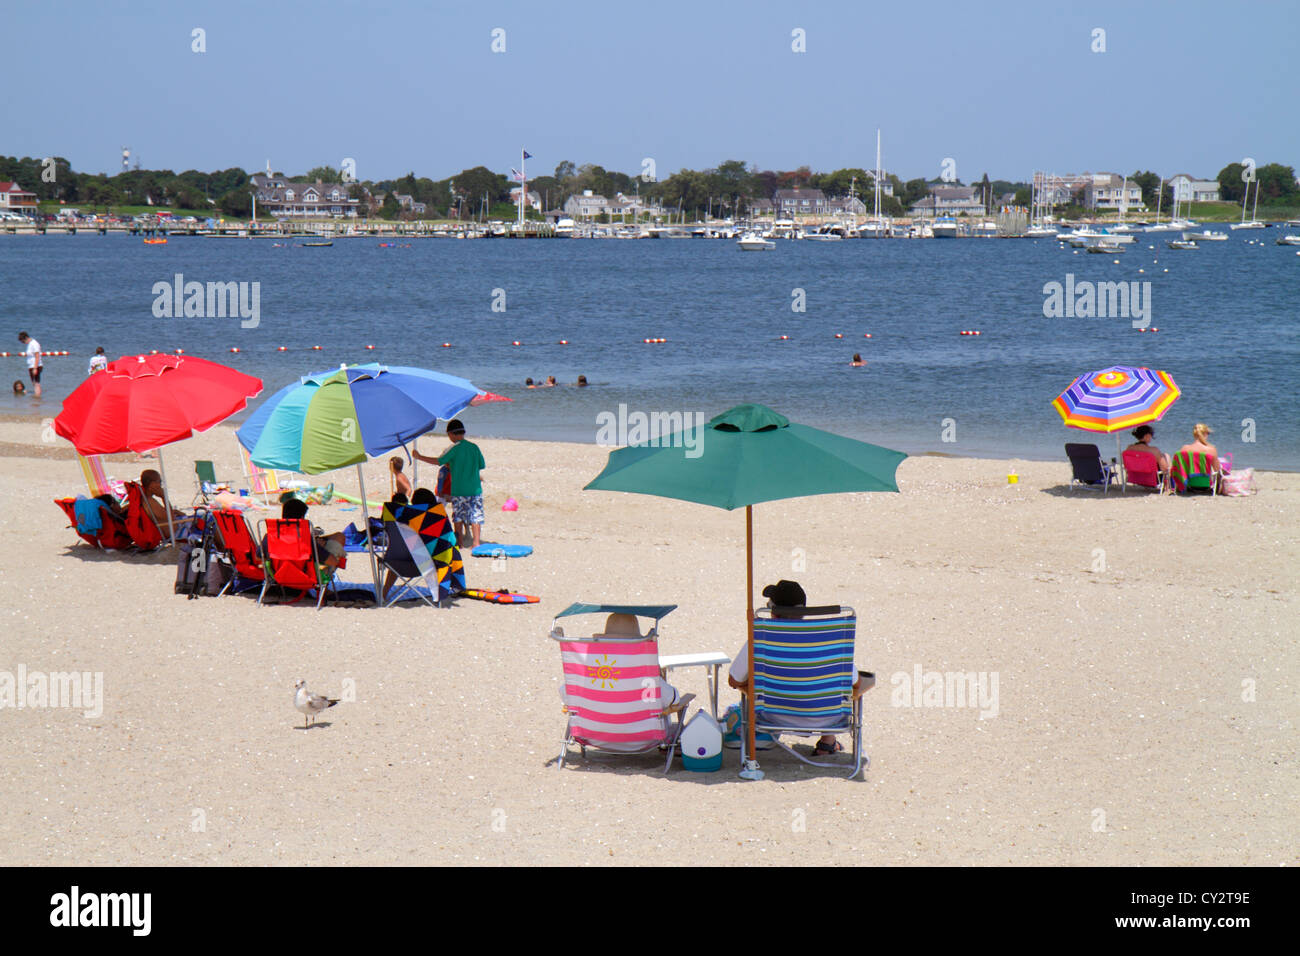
[[745, 456]]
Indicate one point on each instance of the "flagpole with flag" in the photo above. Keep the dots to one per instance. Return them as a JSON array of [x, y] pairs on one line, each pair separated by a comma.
[[524, 156]]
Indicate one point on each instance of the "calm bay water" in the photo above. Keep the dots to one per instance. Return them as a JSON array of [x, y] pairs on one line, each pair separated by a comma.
[[1227, 315]]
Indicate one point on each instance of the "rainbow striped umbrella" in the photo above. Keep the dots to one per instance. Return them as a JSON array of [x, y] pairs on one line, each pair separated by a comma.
[[1116, 398]]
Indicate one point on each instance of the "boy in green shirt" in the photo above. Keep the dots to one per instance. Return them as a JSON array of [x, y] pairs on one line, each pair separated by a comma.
[[464, 460]]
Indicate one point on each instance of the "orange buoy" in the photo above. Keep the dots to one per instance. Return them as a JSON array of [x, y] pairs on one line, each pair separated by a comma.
[[369, 346], [282, 348], [446, 345], [564, 341], [234, 350], [315, 348], [866, 335], [516, 342], [153, 351], [785, 338], [839, 335]]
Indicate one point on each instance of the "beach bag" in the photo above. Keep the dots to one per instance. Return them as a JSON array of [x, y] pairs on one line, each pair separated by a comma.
[[191, 567], [1238, 484], [194, 559], [218, 575], [443, 487]]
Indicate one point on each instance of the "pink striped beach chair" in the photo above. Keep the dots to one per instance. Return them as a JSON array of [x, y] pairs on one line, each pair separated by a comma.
[[261, 482], [613, 688], [92, 468]]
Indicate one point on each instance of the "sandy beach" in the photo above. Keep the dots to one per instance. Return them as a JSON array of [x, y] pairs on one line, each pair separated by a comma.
[[1145, 650]]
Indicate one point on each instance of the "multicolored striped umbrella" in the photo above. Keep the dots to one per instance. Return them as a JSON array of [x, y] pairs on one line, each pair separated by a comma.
[[1116, 398], [341, 417]]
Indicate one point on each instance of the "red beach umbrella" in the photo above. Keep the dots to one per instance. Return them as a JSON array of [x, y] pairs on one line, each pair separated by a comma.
[[142, 402]]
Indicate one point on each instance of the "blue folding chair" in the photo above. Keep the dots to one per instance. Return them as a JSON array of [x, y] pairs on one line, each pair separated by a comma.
[[804, 678]]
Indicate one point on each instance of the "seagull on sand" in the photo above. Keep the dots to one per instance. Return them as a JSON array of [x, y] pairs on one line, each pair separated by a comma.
[[309, 704]]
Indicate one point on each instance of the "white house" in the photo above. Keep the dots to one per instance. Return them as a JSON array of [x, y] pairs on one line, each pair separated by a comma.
[[586, 206], [534, 199], [1107, 191], [282, 199], [1187, 189], [949, 201]]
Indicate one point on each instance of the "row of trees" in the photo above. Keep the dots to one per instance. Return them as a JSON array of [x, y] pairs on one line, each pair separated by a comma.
[[53, 179], [730, 188]]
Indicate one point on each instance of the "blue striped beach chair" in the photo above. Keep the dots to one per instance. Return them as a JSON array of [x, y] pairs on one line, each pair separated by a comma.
[[804, 678]]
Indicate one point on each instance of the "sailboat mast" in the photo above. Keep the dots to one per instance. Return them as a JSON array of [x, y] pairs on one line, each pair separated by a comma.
[[1255, 208], [877, 181]]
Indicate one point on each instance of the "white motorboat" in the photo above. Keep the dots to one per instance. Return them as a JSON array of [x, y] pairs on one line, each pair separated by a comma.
[[944, 228], [1181, 244], [1206, 236], [752, 241], [1104, 247], [1288, 240]]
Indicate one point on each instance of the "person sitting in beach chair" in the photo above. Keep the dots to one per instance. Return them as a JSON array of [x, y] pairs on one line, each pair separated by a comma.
[[1196, 466], [787, 601], [421, 545], [155, 500], [1145, 465], [1088, 468], [614, 691], [333, 547], [140, 522], [295, 557]]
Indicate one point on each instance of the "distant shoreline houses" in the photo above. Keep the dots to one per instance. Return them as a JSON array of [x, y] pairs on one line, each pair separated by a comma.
[[278, 197], [15, 199]]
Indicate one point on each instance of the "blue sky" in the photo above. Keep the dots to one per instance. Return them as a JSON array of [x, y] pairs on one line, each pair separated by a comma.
[[1002, 87]]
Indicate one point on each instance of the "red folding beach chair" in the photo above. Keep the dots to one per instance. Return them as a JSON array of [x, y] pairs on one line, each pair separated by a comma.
[[290, 558], [1142, 468], [112, 536], [140, 524], [238, 547]]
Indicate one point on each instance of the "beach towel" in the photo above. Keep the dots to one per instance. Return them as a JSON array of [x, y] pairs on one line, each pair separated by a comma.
[[493, 550], [1192, 470], [89, 513]]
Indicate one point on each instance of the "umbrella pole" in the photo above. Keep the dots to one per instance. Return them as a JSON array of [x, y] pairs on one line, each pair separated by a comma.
[[370, 541], [167, 501], [750, 770]]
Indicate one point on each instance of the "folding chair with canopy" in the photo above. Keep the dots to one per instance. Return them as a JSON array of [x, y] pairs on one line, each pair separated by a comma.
[[612, 685]]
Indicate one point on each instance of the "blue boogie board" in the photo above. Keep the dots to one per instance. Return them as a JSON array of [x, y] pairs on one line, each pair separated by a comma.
[[486, 550]]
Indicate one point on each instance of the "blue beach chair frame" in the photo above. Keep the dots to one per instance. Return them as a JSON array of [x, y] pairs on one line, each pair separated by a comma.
[[803, 668]]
